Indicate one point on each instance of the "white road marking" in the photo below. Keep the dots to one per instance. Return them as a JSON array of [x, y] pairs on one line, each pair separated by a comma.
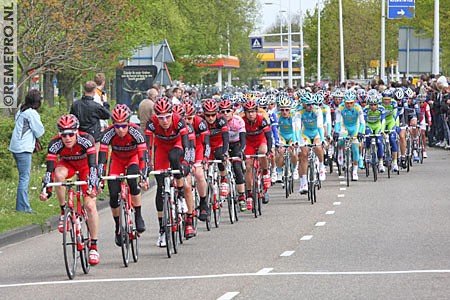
[[306, 238], [128, 279], [228, 296], [341, 177], [341, 195], [337, 203], [342, 182], [287, 253], [318, 224], [343, 189], [330, 212], [264, 271]]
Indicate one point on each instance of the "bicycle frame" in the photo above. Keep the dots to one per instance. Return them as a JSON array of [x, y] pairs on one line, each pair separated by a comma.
[[257, 186]]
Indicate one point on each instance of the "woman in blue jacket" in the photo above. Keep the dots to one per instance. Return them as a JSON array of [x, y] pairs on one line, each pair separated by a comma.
[[28, 127]]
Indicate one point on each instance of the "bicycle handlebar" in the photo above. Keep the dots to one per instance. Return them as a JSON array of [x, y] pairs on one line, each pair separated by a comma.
[[215, 161], [165, 172], [121, 177], [255, 156], [311, 145], [65, 183]]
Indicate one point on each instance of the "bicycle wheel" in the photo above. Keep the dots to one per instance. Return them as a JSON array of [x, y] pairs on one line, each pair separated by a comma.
[[175, 224], [388, 159], [167, 224], [408, 154], [330, 158], [134, 236], [347, 165], [286, 182], [195, 212], [311, 181], [230, 201], [69, 244], [260, 194], [85, 238], [124, 232], [209, 201], [374, 163], [420, 148], [255, 193], [216, 206]]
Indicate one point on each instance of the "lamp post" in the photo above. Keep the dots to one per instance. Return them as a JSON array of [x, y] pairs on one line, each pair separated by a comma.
[[341, 41], [318, 41], [281, 47], [302, 59]]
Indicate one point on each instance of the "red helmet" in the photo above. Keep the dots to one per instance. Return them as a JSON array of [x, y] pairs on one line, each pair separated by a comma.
[[68, 122], [121, 113], [163, 105], [188, 101], [179, 109], [224, 104], [250, 105], [190, 110], [210, 105]]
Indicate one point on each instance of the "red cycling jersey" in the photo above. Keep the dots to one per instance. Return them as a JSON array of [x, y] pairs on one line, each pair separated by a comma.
[[127, 150], [80, 158], [215, 132], [255, 133], [202, 146]]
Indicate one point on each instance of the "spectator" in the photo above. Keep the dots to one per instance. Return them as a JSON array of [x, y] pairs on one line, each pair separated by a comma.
[[89, 112], [176, 97], [100, 95], [145, 110], [440, 112], [28, 127]]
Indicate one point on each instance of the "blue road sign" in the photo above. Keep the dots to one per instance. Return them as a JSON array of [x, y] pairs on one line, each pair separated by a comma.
[[256, 43], [401, 9]]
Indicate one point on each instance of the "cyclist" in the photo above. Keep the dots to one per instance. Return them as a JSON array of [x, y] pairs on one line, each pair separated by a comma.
[[349, 122], [289, 125], [412, 114], [391, 116], [70, 152], [168, 137], [202, 152], [259, 141], [273, 120], [424, 121], [236, 127], [312, 133], [374, 116], [186, 204], [128, 156], [219, 139]]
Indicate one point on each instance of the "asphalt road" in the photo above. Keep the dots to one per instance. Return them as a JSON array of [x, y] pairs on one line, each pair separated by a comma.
[[384, 240]]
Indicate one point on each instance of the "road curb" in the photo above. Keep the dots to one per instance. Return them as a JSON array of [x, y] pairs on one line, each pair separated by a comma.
[[26, 232]]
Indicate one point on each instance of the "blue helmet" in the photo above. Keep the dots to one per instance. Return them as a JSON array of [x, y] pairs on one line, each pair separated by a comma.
[[349, 97], [307, 98], [317, 98], [387, 93]]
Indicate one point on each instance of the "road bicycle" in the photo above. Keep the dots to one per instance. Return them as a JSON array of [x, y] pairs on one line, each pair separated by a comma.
[[127, 223], [312, 173], [371, 159], [387, 151], [232, 197], [170, 218], [214, 200], [288, 178], [348, 165], [76, 234], [257, 184]]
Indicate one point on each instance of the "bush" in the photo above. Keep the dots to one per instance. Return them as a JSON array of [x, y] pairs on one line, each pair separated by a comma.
[[6, 158]]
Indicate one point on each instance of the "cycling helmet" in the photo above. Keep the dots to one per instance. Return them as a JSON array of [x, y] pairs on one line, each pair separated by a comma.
[[307, 98], [189, 109], [210, 105], [250, 105], [373, 100], [398, 94], [387, 93], [284, 101], [68, 122], [188, 101], [349, 97], [338, 94], [179, 109], [409, 93], [121, 113], [263, 101], [225, 104], [421, 97], [362, 95], [317, 98], [163, 105]]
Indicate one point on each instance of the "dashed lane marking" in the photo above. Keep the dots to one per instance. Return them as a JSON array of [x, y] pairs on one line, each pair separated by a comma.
[[341, 177], [228, 296], [318, 224], [342, 182], [264, 271], [343, 189], [306, 238], [337, 203], [330, 212], [287, 253], [341, 195]]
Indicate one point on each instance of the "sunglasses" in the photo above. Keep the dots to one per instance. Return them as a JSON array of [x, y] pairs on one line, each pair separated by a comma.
[[122, 126], [210, 115], [190, 117], [64, 135], [225, 111], [373, 104], [164, 117], [285, 109], [309, 104]]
